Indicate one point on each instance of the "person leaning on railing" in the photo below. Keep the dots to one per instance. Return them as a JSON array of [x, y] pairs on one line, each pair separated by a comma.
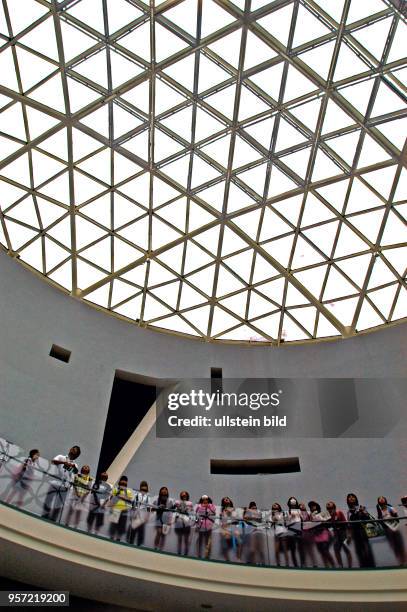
[[59, 485]]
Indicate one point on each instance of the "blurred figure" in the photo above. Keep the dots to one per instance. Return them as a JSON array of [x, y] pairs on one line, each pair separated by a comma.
[[294, 530], [356, 516], [183, 522], [205, 518], [163, 507], [140, 515], [120, 504], [21, 480], [341, 534], [386, 512], [307, 538], [404, 504], [59, 484], [82, 484], [229, 529], [280, 531], [99, 495], [253, 519], [322, 535]]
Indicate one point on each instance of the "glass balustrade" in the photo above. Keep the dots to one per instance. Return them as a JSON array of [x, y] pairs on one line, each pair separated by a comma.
[[264, 537]]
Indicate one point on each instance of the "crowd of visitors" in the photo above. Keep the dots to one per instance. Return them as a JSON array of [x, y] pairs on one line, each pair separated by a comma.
[[302, 532]]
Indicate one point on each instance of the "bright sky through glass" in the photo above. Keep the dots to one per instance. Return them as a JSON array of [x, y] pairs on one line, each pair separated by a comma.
[[226, 170]]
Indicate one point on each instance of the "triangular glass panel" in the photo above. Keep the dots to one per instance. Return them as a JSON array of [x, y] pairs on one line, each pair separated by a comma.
[[279, 183], [290, 207], [308, 27], [206, 125], [166, 43], [287, 136], [324, 167], [183, 71], [210, 74], [298, 162], [139, 96], [315, 211], [262, 131], [98, 120], [297, 85], [121, 13], [345, 146], [223, 101], [386, 101], [335, 118], [213, 18], [80, 95], [308, 113], [202, 172], [374, 37], [138, 41], [348, 63], [42, 39], [75, 41], [228, 47], [180, 123], [349, 243], [138, 144], [32, 68], [280, 249], [250, 104], [371, 153], [122, 69], [269, 80], [319, 59], [278, 23], [257, 51]]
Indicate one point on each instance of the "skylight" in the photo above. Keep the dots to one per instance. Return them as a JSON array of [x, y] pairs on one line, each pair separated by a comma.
[[233, 171]]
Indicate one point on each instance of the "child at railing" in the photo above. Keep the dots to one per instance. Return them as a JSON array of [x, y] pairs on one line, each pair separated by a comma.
[[163, 506]]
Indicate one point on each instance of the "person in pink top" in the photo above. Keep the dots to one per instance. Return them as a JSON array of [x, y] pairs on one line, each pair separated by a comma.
[[205, 519]]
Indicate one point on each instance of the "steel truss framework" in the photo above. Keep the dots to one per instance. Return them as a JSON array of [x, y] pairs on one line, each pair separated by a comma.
[[231, 171]]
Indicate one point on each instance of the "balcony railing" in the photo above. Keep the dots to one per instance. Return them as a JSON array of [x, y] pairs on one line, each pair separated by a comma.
[[234, 535]]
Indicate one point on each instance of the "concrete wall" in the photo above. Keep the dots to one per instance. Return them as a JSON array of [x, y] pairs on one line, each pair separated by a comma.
[[52, 405]]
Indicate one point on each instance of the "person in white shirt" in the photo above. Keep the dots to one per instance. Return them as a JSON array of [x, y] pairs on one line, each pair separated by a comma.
[[60, 483]]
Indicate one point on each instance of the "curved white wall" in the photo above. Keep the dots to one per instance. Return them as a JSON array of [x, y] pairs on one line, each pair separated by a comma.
[[52, 405]]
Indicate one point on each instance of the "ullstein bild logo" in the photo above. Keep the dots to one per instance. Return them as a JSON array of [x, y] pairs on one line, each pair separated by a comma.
[[207, 401]]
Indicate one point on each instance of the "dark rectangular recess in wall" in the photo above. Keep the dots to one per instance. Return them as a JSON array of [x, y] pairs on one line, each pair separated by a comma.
[[216, 380], [132, 397], [58, 352], [234, 467]]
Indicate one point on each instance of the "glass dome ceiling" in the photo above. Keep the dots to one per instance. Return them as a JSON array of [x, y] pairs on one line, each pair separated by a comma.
[[226, 170]]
